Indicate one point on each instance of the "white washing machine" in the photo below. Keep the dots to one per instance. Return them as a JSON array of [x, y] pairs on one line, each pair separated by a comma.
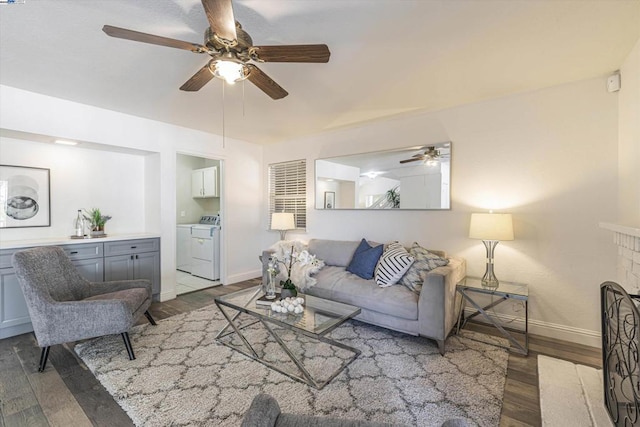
[[200, 248]]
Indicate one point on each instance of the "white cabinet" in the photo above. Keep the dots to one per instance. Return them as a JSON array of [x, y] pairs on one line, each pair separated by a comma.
[[204, 182]]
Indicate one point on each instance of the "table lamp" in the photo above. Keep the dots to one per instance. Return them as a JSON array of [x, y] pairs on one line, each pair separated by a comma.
[[490, 228], [282, 221]]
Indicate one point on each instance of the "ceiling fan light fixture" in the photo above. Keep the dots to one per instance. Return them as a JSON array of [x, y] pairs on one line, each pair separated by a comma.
[[229, 71]]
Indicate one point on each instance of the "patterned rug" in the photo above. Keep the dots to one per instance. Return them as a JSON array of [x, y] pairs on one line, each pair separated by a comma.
[[183, 377]]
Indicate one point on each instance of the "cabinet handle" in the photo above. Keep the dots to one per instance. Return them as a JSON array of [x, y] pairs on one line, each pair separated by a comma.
[[133, 247], [136, 256], [131, 257], [73, 252]]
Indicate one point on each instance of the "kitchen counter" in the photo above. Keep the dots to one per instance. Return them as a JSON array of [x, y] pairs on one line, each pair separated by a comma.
[[59, 241]]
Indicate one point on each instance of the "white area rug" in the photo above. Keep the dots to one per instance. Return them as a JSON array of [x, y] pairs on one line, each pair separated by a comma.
[[571, 394], [183, 377]]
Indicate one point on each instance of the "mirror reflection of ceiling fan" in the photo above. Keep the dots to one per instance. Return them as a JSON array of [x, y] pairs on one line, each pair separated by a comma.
[[430, 154], [231, 50]]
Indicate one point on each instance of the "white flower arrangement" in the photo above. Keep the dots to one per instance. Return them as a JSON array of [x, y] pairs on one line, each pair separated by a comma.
[[293, 264]]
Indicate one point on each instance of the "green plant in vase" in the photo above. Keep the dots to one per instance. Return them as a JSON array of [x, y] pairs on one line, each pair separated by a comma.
[[96, 220]]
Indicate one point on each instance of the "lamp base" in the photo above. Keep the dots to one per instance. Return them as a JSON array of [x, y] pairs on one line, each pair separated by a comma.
[[489, 280]]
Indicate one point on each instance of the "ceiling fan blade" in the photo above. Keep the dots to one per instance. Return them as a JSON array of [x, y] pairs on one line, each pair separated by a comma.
[[292, 53], [265, 83], [412, 160], [198, 80], [220, 16], [137, 36]]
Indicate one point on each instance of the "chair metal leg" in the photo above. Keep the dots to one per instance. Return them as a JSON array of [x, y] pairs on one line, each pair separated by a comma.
[[151, 320], [127, 343], [44, 355]]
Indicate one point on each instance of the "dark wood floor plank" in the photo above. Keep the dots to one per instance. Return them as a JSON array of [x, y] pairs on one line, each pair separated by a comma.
[[93, 398], [18, 402], [30, 417], [56, 400]]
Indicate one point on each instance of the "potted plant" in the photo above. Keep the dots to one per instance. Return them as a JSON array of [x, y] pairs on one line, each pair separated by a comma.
[[96, 221], [393, 197]]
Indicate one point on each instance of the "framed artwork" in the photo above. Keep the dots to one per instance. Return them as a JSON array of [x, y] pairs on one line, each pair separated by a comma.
[[24, 197], [329, 199]]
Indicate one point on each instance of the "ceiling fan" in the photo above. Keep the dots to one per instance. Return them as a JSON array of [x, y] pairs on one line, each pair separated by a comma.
[[430, 154], [231, 50]]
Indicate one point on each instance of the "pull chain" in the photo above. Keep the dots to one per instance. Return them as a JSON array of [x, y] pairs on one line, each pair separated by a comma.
[[223, 128]]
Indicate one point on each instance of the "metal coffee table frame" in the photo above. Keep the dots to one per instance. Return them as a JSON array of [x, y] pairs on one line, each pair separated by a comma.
[[313, 306]]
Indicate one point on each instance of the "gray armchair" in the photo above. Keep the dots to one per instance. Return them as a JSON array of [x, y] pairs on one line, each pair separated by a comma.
[[265, 412], [66, 307]]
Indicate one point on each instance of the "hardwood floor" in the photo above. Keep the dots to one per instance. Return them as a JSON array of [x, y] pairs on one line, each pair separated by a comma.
[[67, 393]]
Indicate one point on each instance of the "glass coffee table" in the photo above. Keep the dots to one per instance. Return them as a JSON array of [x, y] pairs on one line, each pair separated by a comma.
[[320, 316]]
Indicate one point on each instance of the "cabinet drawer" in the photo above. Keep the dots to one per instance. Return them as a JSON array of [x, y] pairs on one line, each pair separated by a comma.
[[83, 250], [131, 247]]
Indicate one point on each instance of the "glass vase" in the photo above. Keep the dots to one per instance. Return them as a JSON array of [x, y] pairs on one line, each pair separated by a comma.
[[270, 288]]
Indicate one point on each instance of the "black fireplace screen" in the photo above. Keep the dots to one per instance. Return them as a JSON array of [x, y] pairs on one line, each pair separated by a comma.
[[620, 356]]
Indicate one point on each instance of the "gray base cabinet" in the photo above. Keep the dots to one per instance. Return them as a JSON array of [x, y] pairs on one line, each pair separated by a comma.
[[131, 259]]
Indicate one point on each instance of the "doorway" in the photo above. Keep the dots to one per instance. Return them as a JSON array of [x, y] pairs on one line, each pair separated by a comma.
[[199, 202]]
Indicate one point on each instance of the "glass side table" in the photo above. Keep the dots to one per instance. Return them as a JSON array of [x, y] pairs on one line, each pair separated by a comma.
[[471, 288]]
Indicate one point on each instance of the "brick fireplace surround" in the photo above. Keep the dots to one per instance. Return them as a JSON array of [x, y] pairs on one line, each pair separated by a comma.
[[628, 268]]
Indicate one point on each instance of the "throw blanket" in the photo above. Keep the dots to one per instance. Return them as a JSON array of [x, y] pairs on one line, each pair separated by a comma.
[[304, 264]]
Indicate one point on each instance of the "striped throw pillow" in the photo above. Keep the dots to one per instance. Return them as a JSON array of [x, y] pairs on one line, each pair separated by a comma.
[[394, 262]]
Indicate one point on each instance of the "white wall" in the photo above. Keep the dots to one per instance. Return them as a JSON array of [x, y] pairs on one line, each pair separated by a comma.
[[81, 179], [549, 157], [629, 140], [38, 114]]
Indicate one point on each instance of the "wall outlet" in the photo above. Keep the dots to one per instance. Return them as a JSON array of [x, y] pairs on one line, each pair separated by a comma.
[[183, 214]]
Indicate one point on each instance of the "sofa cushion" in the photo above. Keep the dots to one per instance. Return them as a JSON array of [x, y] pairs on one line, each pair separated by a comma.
[[333, 252], [337, 284], [425, 261], [395, 261], [365, 258]]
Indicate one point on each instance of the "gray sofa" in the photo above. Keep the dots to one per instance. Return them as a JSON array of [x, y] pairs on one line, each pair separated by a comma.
[[431, 314]]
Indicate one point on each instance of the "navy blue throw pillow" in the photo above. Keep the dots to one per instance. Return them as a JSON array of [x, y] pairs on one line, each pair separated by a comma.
[[365, 258]]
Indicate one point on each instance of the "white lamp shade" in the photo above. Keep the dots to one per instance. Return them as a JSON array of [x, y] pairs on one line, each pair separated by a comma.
[[282, 221], [491, 226]]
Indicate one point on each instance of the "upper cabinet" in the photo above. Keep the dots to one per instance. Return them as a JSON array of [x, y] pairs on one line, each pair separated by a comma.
[[204, 182]]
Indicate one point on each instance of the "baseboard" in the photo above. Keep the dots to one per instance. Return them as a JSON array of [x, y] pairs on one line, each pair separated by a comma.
[[546, 329], [235, 278], [169, 295]]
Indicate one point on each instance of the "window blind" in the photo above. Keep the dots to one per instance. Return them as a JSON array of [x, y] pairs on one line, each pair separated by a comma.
[[288, 190]]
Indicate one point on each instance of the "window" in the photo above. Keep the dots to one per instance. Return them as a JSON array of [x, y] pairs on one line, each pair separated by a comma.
[[288, 190]]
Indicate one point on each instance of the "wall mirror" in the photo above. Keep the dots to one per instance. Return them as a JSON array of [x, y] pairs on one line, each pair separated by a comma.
[[414, 177]]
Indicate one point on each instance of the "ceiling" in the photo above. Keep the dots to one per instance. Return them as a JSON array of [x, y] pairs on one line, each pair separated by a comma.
[[388, 57]]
